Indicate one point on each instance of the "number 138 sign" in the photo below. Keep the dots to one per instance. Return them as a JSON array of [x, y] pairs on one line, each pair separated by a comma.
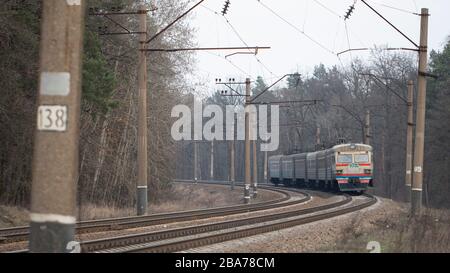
[[52, 118]]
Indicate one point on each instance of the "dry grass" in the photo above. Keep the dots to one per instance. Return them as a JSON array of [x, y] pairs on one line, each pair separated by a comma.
[[93, 212], [428, 232], [13, 216], [178, 198]]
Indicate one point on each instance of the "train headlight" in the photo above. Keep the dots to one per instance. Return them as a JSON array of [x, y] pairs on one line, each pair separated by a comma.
[[339, 171], [367, 171]]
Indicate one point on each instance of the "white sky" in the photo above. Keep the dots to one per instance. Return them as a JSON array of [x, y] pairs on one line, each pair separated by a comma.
[[290, 50]]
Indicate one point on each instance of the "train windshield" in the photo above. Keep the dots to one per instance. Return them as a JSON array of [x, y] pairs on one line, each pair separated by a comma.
[[344, 159], [361, 158]]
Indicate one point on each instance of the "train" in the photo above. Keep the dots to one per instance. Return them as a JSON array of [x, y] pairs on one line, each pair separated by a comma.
[[343, 168]]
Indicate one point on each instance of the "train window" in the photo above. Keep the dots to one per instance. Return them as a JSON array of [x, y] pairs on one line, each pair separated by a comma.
[[361, 158], [344, 158]]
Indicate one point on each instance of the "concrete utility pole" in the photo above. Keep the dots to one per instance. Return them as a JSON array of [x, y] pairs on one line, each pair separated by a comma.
[[255, 170], [212, 160], [195, 161], [55, 160], [265, 167], [409, 140], [318, 138], [416, 193], [232, 174], [247, 144], [367, 129], [142, 115]]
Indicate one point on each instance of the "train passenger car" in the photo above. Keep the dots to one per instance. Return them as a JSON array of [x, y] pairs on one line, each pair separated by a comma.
[[345, 167], [287, 169], [300, 169], [275, 169], [311, 170]]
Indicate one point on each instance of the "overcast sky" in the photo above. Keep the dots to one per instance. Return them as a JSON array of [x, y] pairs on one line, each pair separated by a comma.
[[292, 51]]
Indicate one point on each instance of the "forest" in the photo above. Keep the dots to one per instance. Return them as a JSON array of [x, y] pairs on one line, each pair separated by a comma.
[[108, 146]]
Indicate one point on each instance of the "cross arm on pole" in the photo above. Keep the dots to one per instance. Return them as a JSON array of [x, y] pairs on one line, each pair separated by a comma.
[[200, 49], [267, 89], [176, 20]]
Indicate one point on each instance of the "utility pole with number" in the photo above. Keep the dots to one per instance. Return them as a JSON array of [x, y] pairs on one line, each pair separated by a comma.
[[195, 161], [409, 141], [265, 167], [55, 158], [232, 155], [416, 190], [212, 160], [255, 170], [247, 143], [142, 198]]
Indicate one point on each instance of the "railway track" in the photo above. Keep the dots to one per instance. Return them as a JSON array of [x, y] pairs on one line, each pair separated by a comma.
[[178, 239], [192, 237], [10, 235]]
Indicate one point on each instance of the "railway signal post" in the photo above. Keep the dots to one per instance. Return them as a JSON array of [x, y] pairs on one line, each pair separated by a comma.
[[247, 144], [409, 141], [55, 159], [142, 198], [416, 190]]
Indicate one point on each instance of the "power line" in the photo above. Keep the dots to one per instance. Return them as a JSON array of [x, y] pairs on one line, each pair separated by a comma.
[[235, 66], [297, 29], [209, 9], [327, 8], [348, 39], [395, 8], [267, 89], [242, 40], [387, 21], [336, 36], [306, 15], [176, 20], [385, 85]]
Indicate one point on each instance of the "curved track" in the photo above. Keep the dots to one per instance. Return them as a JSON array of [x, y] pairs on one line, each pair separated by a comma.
[[191, 237], [182, 238], [10, 235]]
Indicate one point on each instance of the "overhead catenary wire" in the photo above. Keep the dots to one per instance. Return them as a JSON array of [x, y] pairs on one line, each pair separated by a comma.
[[395, 8], [173, 22], [230, 62], [392, 25], [243, 41], [239, 37], [327, 8], [348, 40], [306, 14], [298, 29]]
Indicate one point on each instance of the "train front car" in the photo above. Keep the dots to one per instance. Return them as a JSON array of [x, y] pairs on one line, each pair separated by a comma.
[[353, 171]]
